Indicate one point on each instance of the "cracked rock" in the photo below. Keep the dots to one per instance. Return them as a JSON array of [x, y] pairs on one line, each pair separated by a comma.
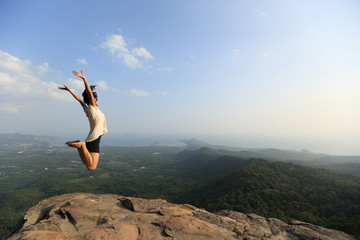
[[107, 216]]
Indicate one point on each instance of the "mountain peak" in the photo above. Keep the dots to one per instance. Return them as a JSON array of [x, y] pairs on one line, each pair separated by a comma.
[[108, 216]]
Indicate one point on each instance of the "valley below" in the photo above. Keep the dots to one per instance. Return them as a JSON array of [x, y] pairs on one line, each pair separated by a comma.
[[316, 188]]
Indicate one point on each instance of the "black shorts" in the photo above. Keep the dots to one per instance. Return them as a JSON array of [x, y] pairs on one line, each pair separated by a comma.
[[94, 146]]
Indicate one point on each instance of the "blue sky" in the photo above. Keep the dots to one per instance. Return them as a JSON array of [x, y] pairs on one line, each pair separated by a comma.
[[281, 74]]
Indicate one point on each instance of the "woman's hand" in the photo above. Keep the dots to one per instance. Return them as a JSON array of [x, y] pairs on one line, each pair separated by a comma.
[[64, 88], [81, 75], [87, 87]]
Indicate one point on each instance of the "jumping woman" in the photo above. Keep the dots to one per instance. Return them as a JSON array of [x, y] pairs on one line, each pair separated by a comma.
[[89, 150]]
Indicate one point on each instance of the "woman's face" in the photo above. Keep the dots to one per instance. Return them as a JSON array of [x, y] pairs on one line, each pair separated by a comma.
[[96, 102]]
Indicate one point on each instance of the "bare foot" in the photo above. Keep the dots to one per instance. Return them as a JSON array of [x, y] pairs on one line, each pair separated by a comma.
[[76, 144], [67, 143]]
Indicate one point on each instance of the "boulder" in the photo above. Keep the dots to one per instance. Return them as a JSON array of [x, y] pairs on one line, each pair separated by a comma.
[[106, 216]]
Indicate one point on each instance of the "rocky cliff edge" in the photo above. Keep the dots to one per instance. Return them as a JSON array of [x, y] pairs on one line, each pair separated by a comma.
[[106, 216]]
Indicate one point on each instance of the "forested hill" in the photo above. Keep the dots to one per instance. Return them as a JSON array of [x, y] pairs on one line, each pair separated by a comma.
[[206, 164], [338, 164], [286, 191], [207, 178]]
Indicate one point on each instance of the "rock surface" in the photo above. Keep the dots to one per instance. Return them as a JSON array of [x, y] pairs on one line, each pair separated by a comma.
[[106, 216]]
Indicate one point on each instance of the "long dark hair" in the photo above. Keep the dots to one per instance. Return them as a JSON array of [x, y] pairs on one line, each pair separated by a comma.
[[85, 95]]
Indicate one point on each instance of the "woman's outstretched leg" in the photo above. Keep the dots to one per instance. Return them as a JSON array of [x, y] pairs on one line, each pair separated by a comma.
[[90, 159]]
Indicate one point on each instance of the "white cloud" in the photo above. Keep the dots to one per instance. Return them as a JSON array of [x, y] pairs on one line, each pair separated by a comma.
[[81, 61], [140, 93], [162, 93], [131, 61], [260, 12], [165, 69], [28, 85], [116, 45], [5, 81], [17, 77], [79, 85], [43, 69], [19, 82], [102, 85], [142, 52], [10, 108], [76, 83], [11, 64]]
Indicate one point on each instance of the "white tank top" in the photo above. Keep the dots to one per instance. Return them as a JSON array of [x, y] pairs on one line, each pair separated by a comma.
[[97, 122]]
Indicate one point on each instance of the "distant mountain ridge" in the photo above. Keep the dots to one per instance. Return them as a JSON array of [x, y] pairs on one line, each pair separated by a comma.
[[18, 140], [194, 144], [337, 163], [273, 153]]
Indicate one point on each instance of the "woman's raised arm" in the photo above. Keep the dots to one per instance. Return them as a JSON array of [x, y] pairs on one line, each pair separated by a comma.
[[87, 87], [74, 95]]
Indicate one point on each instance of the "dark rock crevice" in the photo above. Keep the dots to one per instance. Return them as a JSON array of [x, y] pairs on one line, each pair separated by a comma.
[[70, 218], [126, 203], [44, 214]]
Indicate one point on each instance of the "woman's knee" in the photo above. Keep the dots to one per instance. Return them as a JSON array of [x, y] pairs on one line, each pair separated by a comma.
[[91, 168]]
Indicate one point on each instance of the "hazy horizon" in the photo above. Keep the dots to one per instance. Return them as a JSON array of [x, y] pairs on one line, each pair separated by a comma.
[[246, 142], [258, 74]]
